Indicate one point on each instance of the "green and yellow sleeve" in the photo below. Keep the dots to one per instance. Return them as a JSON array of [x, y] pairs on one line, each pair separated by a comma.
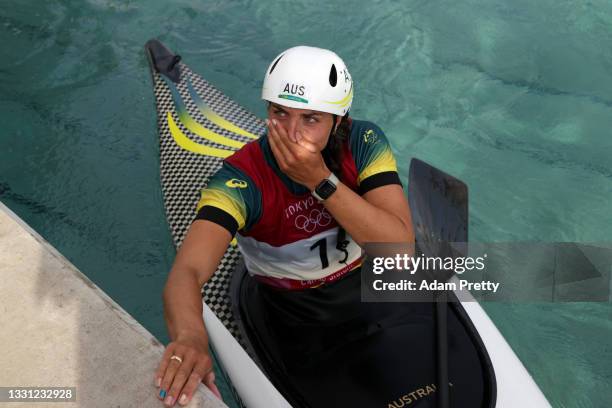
[[374, 159], [230, 199]]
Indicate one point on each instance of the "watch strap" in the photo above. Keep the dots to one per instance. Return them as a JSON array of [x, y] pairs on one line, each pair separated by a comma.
[[331, 179], [334, 180]]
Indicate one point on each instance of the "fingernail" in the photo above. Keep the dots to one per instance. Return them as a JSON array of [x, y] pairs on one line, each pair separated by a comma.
[[162, 393], [158, 382], [183, 399], [267, 122], [274, 121], [169, 400]]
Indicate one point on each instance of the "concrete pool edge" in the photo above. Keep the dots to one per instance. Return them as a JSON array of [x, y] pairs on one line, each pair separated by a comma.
[[63, 330]]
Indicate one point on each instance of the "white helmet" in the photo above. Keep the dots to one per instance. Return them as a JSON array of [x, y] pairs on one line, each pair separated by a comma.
[[309, 78]]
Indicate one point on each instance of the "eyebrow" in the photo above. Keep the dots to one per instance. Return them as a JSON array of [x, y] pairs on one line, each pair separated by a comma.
[[310, 114]]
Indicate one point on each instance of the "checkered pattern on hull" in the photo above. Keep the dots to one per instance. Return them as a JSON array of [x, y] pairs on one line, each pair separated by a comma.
[[184, 174]]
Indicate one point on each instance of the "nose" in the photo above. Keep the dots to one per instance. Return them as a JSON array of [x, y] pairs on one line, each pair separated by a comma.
[[293, 126]]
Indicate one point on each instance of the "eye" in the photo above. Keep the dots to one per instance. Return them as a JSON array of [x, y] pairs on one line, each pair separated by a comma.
[[311, 120], [279, 112]]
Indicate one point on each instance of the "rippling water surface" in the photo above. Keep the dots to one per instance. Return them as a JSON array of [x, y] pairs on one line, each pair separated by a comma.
[[514, 97]]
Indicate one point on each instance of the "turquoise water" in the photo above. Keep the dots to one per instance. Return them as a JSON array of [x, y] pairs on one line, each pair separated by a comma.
[[514, 97]]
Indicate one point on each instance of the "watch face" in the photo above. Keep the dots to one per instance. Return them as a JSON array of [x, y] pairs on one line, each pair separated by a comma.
[[325, 189]]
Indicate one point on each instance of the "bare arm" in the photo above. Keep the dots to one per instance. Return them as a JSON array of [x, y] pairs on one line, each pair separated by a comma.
[[196, 261], [380, 215]]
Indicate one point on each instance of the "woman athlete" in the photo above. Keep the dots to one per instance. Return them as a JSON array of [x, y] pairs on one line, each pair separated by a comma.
[[301, 202]]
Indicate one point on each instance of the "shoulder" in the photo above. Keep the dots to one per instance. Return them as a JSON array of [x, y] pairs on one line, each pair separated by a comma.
[[229, 176], [231, 197], [365, 131], [238, 174], [374, 159], [367, 143]]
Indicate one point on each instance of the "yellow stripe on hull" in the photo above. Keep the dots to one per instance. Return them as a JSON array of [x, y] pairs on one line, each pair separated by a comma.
[[225, 124], [189, 145], [208, 134]]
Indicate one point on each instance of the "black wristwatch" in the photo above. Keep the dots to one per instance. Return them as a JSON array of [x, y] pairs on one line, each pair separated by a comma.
[[326, 187]]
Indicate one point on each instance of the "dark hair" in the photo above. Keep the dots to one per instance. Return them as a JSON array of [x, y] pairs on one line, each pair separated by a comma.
[[332, 154]]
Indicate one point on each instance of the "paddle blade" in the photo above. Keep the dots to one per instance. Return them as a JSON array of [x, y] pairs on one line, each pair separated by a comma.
[[439, 206]]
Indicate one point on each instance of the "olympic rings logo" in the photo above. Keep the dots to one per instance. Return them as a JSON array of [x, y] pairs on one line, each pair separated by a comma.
[[315, 218]]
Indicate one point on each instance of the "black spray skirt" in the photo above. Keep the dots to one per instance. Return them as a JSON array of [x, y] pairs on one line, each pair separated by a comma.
[[323, 347]]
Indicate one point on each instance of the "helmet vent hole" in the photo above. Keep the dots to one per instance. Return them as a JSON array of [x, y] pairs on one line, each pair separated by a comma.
[[275, 62], [333, 76]]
